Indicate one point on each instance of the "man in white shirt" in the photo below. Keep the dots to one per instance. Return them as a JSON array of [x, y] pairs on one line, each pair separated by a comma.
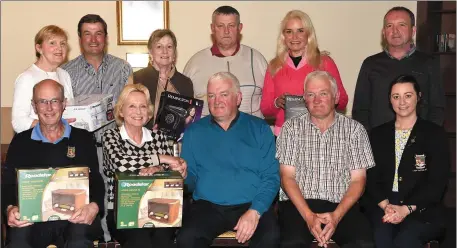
[[227, 54]]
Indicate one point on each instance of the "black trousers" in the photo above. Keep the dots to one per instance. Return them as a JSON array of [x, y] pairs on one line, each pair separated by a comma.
[[411, 232], [141, 237], [206, 221], [42, 234], [352, 231]]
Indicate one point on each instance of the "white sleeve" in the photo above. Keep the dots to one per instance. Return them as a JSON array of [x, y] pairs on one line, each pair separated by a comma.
[[189, 69], [262, 65], [22, 110], [65, 80]]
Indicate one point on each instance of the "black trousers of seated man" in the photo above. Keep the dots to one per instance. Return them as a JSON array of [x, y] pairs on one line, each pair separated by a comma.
[[353, 230], [42, 234], [141, 237], [207, 220]]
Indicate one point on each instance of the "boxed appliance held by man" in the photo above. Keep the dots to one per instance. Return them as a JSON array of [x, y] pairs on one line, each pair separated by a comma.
[[52, 194], [148, 201], [91, 111]]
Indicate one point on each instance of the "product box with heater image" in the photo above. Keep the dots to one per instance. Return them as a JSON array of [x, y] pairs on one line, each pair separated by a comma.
[[52, 194], [176, 112], [91, 111], [148, 201]]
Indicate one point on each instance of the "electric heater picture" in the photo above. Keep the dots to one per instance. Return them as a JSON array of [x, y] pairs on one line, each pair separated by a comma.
[[66, 201], [163, 210]]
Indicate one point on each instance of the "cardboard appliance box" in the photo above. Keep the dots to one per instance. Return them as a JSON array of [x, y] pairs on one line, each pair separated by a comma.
[[294, 106], [91, 111], [148, 201], [52, 194]]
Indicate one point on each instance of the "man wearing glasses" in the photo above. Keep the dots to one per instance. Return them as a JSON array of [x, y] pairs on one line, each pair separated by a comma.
[[48, 144]]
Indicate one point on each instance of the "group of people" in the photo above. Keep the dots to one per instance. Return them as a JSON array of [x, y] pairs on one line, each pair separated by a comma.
[[320, 168]]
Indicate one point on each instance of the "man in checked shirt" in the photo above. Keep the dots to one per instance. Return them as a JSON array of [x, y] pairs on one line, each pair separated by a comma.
[[97, 72], [323, 158]]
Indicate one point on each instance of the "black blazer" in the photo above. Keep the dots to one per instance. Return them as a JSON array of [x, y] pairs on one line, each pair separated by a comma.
[[418, 184]]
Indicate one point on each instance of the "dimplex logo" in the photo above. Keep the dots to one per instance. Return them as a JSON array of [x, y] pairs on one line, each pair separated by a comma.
[[126, 185], [36, 175]]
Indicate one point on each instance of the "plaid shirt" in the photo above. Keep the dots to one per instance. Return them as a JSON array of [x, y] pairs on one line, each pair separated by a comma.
[[323, 161]]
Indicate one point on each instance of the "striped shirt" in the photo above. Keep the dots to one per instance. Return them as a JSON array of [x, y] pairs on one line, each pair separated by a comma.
[[110, 78], [323, 161]]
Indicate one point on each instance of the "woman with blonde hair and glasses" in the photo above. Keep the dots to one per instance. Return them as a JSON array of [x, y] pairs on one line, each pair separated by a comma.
[[161, 74], [132, 147], [51, 51], [297, 55]]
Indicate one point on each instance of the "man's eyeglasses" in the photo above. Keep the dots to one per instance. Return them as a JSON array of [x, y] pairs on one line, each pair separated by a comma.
[[43, 103]]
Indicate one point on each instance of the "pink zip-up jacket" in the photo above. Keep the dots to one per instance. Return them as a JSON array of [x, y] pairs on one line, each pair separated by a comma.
[[290, 79]]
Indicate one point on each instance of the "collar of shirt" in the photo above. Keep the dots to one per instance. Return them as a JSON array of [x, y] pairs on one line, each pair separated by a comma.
[[38, 135], [291, 64], [216, 52], [412, 49], [146, 135], [90, 68], [231, 123], [335, 120]]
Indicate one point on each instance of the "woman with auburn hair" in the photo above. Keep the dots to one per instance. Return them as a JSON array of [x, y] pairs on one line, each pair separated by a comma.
[[51, 51], [161, 74], [134, 148], [297, 55]]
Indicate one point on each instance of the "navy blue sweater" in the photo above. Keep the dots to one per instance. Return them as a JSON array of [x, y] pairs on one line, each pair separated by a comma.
[[234, 166], [26, 153]]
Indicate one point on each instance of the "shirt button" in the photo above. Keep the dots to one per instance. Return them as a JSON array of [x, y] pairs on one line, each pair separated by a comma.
[[401, 202], [400, 179]]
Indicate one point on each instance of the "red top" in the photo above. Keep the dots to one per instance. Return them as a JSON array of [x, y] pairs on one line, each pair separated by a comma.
[[216, 52], [290, 79]]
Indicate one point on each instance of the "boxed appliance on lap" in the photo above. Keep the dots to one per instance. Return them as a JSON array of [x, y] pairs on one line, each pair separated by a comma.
[[52, 194], [148, 201], [91, 111]]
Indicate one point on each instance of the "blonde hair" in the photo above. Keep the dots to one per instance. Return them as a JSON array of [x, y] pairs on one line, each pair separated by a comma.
[[46, 33], [312, 52], [129, 88]]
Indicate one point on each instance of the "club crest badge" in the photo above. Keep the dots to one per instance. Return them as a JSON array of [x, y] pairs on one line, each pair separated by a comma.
[[71, 152], [420, 162]]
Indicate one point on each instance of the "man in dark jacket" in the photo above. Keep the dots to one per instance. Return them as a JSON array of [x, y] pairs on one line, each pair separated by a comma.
[[52, 143], [371, 102]]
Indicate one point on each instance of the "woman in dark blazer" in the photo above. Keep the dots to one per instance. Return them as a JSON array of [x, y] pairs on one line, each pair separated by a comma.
[[405, 188], [161, 74]]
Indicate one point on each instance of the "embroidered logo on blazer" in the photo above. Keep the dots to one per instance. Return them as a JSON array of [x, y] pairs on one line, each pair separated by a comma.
[[71, 151], [420, 162]]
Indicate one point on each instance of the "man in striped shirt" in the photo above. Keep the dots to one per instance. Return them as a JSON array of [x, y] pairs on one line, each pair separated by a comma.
[[97, 72], [323, 158]]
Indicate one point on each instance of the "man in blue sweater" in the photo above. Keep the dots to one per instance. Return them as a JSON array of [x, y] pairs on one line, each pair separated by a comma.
[[232, 171]]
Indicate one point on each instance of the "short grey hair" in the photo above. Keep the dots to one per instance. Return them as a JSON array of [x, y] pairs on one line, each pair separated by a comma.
[[226, 10], [322, 75], [225, 75]]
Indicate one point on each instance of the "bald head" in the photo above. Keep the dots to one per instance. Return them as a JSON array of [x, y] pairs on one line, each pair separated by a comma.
[[48, 84]]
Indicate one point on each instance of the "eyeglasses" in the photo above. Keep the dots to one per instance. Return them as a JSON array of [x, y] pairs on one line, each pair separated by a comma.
[[43, 103]]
